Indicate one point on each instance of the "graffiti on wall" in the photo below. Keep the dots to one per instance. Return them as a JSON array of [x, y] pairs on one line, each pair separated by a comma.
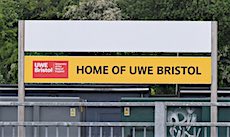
[[183, 115]]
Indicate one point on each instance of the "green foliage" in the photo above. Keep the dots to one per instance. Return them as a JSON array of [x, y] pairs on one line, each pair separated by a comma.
[[94, 10], [43, 9], [224, 66], [8, 41], [162, 89]]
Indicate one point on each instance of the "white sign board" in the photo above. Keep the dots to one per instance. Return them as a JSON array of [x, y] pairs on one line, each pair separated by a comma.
[[118, 36]]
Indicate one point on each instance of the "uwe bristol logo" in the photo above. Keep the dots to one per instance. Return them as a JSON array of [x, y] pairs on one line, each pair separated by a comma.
[[50, 69]]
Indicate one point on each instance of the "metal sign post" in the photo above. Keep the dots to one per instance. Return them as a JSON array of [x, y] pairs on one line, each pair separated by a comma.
[[21, 87], [214, 79]]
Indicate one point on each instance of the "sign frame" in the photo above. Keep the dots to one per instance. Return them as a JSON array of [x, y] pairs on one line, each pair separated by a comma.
[[21, 87]]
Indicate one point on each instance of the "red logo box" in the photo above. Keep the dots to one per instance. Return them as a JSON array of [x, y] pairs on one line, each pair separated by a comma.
[[50, 69]]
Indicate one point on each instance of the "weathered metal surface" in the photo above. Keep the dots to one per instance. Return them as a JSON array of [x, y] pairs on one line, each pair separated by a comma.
[[160, 119], [80, 124]]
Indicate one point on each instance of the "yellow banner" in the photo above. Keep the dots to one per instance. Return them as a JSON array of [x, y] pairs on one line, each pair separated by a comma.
[[118, 70]]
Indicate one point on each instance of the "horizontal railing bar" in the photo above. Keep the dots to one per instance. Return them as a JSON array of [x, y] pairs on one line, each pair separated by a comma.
[[81, 124], [92, 104], [200, 124], [114, 124], [197, 104], [112, 104], [190, 104]]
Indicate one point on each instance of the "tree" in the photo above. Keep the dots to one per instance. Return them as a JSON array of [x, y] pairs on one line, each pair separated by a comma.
[[94, 10], [8, 41]]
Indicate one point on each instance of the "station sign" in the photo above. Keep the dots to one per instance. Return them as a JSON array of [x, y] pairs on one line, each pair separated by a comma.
[[118, 36], [118, 69]]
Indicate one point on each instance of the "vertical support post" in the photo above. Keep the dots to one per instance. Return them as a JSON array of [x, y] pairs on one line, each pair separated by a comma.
[[90, 131], [122, 132], [21, 86], [160, 119], [36, 118], [214, 78]]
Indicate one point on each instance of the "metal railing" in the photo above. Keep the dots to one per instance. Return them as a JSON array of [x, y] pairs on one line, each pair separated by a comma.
[[79, 127], [76, 125], [32, 128]]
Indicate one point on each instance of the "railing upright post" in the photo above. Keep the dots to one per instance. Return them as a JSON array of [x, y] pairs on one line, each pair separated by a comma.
[[160, 119]]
